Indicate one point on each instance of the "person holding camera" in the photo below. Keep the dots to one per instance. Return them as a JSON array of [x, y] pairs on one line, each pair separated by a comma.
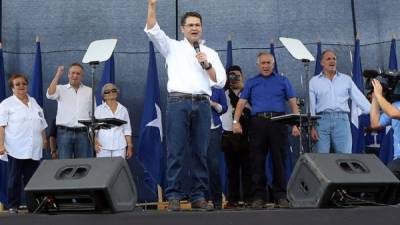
[[235, 146], [330, 92], [390, 115], [268, 93]]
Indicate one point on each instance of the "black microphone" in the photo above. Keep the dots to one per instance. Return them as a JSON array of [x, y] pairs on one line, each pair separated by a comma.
[[197, 49]]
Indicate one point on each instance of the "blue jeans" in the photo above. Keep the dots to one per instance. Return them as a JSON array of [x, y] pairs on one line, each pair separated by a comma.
[[73, 144], [213, 152], [20, 172], [334, 132], [188, 121]]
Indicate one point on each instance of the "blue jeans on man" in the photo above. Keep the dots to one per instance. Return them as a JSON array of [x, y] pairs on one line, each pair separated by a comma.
[[73, 144], [334, 132], [188, 121]]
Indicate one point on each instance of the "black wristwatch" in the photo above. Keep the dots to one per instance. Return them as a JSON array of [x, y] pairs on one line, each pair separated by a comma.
[[209, 66]]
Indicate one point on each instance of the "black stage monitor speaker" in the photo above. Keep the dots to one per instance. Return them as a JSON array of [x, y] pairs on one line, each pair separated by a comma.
[[100, 184], [335, 180]]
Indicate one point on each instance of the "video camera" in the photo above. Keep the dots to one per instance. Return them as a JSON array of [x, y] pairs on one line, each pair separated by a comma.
[[389, 81]]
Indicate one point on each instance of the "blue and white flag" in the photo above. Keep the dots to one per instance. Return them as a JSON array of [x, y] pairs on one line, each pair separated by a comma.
[[150, 147], [357, 132]]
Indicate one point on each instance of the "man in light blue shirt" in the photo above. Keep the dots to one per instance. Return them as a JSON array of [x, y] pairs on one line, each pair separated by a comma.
[[330, 92]]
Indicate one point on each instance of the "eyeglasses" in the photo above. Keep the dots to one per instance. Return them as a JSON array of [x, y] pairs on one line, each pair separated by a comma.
[[109, 91], [20, 84]]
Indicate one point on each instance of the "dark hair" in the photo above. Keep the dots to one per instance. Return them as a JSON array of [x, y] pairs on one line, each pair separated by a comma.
[[190, 14], [16, 76], [326, 51], [234, 68], [76, 64]]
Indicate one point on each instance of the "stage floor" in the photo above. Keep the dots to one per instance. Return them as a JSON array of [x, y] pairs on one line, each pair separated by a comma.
[[376, 215]]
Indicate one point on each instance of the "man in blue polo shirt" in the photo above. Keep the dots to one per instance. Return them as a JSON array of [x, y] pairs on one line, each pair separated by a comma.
[[268, 93]]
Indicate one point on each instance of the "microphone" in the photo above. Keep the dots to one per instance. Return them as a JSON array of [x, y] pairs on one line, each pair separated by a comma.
[[197, 49]]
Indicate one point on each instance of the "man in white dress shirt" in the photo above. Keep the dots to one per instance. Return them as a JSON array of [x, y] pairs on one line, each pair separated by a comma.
[[74, 103], [191, 74]]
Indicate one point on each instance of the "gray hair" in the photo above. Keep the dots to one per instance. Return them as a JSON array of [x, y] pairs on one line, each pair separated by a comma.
[[265, 53], [108, 84]]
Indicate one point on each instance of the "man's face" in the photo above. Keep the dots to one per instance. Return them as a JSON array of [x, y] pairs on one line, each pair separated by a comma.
[[265, 64], [75, 75], [192, 29], [328, 62]]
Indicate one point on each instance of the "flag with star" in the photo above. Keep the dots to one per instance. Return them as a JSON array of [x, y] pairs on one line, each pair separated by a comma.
[[150, 140]]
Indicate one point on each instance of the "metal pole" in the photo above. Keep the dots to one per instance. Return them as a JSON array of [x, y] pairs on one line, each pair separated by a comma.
[[1, 20], [353, 14], [176, 19]]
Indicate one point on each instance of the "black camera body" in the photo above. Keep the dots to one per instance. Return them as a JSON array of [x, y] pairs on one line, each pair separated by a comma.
[[389, 81], [233, 77]]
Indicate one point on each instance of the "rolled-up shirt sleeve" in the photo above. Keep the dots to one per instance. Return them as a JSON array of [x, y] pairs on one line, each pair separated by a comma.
[[220, 73], [54, 96], [127, 129], [159, 39]]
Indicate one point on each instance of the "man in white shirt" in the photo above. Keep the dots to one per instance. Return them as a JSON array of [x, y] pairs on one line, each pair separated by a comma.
[[74, 103], [193, 69]]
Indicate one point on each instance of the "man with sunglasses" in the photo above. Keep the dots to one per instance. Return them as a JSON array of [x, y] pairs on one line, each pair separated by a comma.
[[74, 103], [193, 69]]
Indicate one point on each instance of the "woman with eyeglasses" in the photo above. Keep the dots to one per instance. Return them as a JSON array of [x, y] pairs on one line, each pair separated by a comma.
[[116, 141], [22, 137]]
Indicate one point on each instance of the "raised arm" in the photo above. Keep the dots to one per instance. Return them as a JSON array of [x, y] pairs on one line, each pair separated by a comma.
[[53, 85], [151, 14], [386, 107], [374, 114]]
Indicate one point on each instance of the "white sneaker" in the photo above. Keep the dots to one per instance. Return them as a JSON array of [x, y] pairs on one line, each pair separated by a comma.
[[12, 210]]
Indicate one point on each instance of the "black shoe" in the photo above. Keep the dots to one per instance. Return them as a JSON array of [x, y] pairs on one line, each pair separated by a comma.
[[282, 203], [217, 205], [201, 205], [257, 204], [174, 205]]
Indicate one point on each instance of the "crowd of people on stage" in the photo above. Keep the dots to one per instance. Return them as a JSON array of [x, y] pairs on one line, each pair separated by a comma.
[[209, 109]]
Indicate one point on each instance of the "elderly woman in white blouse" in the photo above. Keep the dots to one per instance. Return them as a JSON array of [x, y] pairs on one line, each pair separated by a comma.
[[22, 137], [116, 141]]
